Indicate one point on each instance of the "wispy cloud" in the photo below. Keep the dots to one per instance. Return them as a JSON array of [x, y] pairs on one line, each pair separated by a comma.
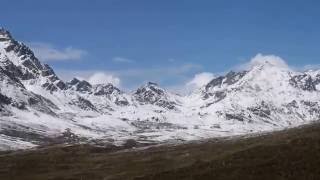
[[103, 78], [311, 67], [172, 60], [180, 78], [132, 78], [48, 52], [122, 60], [200, 80]]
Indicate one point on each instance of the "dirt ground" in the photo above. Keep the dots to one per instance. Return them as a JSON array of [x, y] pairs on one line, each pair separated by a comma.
[[288, 154]]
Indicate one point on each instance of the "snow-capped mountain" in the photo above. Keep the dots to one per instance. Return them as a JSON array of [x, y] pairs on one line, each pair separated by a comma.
[[151, 93], [37, 107]]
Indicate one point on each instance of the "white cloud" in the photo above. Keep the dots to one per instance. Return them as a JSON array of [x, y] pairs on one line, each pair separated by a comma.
[[103, 78], [261, 59], [47, 52], [200, 80], [172, 60], [196, 82], [268, 59], [311, 67], [122, 60]]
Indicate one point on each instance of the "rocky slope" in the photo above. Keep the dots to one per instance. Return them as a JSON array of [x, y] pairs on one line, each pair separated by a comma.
[[37, 107]]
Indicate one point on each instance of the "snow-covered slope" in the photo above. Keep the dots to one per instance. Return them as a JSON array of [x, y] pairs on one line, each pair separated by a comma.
[[37, 107]]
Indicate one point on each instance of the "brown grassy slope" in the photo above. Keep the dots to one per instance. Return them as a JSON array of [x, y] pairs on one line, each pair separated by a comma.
[[289, 154]]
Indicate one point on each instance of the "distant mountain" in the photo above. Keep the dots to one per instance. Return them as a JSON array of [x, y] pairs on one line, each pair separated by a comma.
[[37, 107]]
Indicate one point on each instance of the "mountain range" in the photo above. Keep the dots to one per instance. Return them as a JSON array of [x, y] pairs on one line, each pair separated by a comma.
[[39, 108]]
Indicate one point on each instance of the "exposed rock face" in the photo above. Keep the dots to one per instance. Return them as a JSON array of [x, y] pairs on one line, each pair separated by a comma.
[[83, 104], [304, 82], [261, 110], [215, 88], [81, 86], [4, 99], [8, 69]]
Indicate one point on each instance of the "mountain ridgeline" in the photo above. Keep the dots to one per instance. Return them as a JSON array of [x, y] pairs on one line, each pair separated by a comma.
[[37, 107]]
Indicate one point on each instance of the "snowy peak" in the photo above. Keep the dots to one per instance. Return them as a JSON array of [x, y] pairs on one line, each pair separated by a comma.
[[101, 95], [19, 59], [218, 86], [110, 92], [270, 90], [151, 93], [5, 35], [84, 86], [19, 53], [105, 89], [229, 79], [150, 88], [79, 85]]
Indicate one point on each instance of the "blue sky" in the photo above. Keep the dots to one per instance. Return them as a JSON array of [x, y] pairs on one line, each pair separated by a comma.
[[167, 41]]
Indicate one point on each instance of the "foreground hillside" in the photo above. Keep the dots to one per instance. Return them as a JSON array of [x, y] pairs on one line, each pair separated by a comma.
[[288, 154]]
